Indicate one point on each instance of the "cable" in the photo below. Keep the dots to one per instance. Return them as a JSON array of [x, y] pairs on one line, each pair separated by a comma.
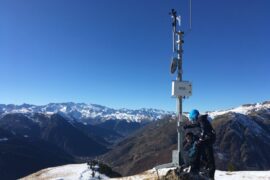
[[190, 15]]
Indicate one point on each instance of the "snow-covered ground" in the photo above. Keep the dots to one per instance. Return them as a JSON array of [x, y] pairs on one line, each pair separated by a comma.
[[82, 172], [66, 172], [147, 175], [242, 175], [219, 175]]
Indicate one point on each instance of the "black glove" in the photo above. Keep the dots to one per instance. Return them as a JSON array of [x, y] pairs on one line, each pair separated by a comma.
[[185, 126]]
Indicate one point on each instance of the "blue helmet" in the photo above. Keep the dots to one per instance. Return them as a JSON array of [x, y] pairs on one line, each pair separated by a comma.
[[193, 115]]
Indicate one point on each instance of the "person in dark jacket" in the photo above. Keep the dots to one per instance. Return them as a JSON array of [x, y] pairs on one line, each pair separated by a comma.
[[190, 151], [205, 143]]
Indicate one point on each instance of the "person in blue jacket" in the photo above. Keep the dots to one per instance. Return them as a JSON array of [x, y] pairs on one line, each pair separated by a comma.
[[205, 143]]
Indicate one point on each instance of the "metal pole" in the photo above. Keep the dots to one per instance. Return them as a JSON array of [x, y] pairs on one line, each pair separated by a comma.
[[177, 155], [179, 99]]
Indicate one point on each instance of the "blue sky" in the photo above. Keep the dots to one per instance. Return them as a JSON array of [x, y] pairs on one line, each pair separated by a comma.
[[117, 53]]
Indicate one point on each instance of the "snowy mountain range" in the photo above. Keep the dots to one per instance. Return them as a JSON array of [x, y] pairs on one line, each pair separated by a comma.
[[88, 113], [93, 113]]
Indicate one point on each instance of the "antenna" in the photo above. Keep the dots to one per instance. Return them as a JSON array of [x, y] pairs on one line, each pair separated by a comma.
[[190, 15]]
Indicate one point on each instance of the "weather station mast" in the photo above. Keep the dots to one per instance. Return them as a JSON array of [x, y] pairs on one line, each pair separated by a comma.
[[180, 89]]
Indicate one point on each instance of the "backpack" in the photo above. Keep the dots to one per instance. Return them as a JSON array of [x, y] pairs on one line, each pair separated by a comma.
[[210, 134]]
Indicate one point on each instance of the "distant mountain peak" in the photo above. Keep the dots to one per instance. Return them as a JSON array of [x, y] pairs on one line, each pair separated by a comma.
[[243, 109]]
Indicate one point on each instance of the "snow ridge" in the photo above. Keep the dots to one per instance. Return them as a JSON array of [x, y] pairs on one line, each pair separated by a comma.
[[244, 109]]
